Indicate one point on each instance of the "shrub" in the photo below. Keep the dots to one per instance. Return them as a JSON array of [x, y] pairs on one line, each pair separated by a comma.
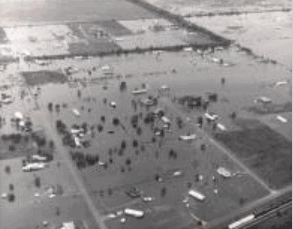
[[11, 197]]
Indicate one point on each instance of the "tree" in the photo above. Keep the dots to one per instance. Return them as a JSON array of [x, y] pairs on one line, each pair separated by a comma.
[[7, 169], [138, 131], [103, 119], [142, 148], [116, 121], [100, 128], [59, 189], [37, 182], [233, 115], [110, 191], [11, 148], [135, 143], [163, 192], [11, 197], [123, 144], [51, 144], [11, 187], [122, 169], [128, 161], [50, 107]]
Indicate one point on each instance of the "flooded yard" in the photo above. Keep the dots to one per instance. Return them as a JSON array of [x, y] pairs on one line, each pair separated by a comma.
[[144, 154]]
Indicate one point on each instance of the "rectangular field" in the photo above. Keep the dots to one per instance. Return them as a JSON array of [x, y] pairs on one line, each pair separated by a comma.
[[263, 150], [43, 77], [67, 10]]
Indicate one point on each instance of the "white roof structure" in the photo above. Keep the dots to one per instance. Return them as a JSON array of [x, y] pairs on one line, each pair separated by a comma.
[[196, 195], [224, 172], [18, 115], [68, 225]]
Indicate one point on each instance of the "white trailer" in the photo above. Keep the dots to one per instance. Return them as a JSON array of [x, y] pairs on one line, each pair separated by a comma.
[[33, 167], [141, 91], [197, 195], [134, 213], [187, 137], [239, 223], [39, 158], [282, 119]]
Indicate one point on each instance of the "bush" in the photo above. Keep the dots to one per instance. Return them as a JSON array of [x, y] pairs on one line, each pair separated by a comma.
[[123, 144], [38, 182], [116, 121], [11, 187], [7, 169], [11, 197], [11, 148]]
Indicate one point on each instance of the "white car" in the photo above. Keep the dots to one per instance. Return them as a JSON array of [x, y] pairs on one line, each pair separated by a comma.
[[177, 173], [147, 199]]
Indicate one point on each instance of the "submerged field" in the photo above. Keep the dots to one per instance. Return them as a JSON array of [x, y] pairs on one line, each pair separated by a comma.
[[139, 162], [264, 151]]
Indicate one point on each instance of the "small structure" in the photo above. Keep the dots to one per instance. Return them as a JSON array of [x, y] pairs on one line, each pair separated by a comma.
[[191, 101], [166, 121], [147, 101], [18, 115], [224, 172], [159, 112], [68, 225], [139, 91], [282, 119], [76, 112], [107, 70], [211, 116], [263, 100], [112, 104], [221, 126], [197, 195]]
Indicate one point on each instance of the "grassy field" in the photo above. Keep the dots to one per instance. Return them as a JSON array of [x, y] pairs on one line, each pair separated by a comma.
[[65, 10], [43, 77], [263, 150], [114, 28]]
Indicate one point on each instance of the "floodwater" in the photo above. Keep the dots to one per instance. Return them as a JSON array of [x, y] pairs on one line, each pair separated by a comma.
[[246, 79], [268, 34]]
